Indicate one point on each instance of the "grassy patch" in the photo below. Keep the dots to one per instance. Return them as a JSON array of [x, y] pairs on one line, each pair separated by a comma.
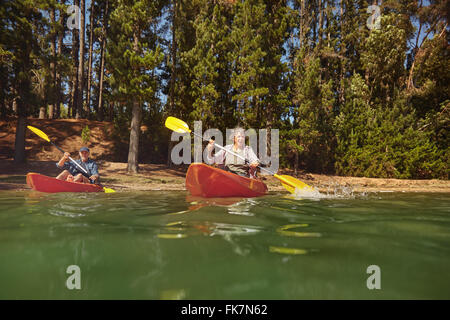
[[13, 179], [138, 179], [109, 180]]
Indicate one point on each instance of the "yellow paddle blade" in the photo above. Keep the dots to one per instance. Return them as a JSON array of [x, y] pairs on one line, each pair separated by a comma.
[[39, 133], [177, 125], [108, 190], [291, 183]]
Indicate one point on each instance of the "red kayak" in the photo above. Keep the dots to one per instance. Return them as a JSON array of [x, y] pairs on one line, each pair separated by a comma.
[[43, 183], [206, 181]]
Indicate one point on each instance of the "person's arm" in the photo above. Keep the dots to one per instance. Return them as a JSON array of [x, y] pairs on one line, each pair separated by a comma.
[[218, 158], [94, 172], [62, 163], [252, 158]]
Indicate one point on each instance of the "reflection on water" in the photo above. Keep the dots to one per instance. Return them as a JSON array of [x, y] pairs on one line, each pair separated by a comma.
[[285, 231], [285, 250], [173, 294], [167, 245]]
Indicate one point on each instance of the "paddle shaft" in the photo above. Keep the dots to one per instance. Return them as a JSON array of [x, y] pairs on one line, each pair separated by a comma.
[[70, 158], [233, 153]]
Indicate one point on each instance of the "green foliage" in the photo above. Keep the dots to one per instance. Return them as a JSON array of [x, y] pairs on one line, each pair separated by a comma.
[[64, 112], [86, 134], [383, 58], [382, 141], [204, 59], [248, 56], [314, 113], [430, 79], [132, 53]]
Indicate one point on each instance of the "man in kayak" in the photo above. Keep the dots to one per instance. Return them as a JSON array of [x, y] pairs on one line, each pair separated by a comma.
[[73, 173], [232, 163]]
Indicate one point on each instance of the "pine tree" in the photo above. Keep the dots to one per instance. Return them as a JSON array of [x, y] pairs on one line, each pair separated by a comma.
[[103, 36], [92, 14], [314, 100], [132, 57], [383, 58], [248, 53], [80, 110], [203, 58], [26, 20]]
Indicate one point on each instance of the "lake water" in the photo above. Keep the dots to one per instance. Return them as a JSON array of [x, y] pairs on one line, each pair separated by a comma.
[[168, 245]]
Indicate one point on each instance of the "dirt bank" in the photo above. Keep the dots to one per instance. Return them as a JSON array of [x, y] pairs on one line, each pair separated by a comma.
[[66, 133]]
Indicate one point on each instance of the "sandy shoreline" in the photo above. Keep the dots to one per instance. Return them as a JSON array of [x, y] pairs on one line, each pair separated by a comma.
[[160, 177]]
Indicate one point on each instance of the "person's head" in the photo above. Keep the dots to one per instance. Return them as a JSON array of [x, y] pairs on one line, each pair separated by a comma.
[[84, 153], [238, 137]]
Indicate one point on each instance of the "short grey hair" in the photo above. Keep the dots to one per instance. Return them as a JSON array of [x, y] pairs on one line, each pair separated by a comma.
[[237, 130]]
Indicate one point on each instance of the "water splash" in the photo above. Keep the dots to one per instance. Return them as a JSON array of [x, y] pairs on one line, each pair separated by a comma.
[[335, 191]]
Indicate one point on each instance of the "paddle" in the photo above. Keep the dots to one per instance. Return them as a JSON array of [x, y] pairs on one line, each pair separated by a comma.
[[290, 183], [46, 138]]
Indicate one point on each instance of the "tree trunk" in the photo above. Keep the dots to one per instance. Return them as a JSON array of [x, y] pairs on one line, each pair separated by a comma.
[[173, 72], [133, 152], [341, 90], [59, 94], [3, 104], [23, 96], [51, 105], [91, 45], [74, 82], [302, 33], [80, 111], [42, 113], [24, 88], [269, 124], [320, 10], [19, 144], [174, 56], [14, 105], [111, 111], [314, 25], [169, 151], [100, 81], [102, 66]]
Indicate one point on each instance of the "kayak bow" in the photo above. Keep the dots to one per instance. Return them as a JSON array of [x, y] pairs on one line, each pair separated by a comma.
[[206, 181]]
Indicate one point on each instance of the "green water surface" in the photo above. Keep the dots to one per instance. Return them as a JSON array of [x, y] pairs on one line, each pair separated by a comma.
[[168, 245]]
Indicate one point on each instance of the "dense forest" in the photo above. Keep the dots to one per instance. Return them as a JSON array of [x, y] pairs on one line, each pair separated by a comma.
[[355, 87]]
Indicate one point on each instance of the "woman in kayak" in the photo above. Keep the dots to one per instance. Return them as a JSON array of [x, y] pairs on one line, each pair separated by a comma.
[[73, 173], [232, 163]]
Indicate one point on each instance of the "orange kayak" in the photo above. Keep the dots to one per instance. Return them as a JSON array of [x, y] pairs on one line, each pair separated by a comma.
[[206, 181], [43, 183]]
